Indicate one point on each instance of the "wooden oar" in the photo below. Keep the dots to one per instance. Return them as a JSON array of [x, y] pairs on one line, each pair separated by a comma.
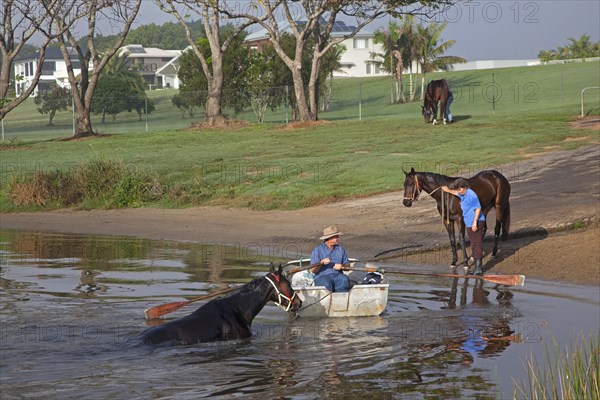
[[295, 270], [507, 280], [159, 311]]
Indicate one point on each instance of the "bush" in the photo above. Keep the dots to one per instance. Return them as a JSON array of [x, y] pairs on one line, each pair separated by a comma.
[[108, 183]]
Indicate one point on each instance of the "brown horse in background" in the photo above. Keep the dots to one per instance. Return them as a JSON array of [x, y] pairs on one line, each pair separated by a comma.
[[492, 189], [437, 91]]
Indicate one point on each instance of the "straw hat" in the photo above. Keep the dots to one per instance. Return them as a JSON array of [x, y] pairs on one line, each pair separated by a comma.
[[330, 231]]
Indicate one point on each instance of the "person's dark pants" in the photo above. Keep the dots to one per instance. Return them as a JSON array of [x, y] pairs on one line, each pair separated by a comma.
[[476, 239]]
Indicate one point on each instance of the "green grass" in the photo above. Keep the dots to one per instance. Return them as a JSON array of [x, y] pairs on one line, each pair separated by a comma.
[[270, 166]]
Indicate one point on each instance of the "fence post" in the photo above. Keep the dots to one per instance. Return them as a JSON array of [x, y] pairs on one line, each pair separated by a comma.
[[146, 110], [584, 89], [360, 102]]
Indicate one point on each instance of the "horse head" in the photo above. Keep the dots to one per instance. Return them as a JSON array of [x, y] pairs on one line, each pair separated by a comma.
[[412, 190], [283, 295], [426, 111]]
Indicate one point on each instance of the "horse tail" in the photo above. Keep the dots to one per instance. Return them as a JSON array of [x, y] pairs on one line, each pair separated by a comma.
[[506, 222], [504, 193]]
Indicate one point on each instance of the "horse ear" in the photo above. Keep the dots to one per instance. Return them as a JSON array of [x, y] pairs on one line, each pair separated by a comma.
[[405, 173], [280, 269], [271, 267], [412, 170]]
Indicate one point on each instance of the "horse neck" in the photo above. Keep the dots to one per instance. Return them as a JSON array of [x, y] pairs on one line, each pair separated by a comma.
[[431, 182], [250, 302]]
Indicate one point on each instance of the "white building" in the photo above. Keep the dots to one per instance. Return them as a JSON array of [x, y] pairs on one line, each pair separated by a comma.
[[54, 70], [356, 61], [149, 61]]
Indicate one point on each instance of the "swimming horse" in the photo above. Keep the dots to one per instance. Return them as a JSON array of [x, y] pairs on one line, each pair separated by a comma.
[[437, 91], [228, 317], [492, 189]]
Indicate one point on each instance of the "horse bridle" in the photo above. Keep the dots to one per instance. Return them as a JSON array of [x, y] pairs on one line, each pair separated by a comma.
[[287, 296], [416, 190]]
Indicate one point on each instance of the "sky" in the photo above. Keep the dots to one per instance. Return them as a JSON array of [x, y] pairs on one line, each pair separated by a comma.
[[491, 30]]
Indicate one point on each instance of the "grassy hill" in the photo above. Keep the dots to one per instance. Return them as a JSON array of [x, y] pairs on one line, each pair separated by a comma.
[[274, 166]]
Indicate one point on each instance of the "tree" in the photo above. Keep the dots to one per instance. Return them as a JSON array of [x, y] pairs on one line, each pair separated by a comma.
[[91, 60], [390, 39], [120, 88], [317, 21], [209, 12], [576, 48], [410, 45], [53, 100], [21, 20], [237, 61], [431, 50]]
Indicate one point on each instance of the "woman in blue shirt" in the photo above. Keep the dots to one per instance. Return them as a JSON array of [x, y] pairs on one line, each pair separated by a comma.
[[473, 217], [331, 258]]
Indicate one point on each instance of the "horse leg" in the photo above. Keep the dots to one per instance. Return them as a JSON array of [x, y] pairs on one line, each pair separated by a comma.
[[497, 234], [461, 238], [443, 110], [452, 237]]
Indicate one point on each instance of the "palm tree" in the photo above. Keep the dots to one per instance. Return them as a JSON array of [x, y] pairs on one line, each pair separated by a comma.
[[430, 56], [580, 48], [410, 44], [390, 39]]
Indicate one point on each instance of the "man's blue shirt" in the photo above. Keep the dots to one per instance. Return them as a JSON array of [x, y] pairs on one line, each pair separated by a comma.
[[468, 203], [336, 256]]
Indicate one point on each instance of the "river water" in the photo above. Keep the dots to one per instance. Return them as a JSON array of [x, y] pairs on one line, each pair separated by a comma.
[[72, 308]]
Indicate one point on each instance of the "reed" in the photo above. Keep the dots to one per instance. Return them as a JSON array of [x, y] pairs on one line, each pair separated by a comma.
[[571, 373]]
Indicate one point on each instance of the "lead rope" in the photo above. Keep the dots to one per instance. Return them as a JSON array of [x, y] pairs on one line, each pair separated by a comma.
[[445, 211]]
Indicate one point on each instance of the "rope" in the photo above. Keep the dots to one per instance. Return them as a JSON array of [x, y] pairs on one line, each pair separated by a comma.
[[318, 301], [445, 211]]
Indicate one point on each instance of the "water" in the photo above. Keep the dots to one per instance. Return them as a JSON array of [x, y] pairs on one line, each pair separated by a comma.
[[72, 307]]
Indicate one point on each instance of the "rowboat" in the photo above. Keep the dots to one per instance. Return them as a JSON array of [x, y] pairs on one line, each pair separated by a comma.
[[363, 300]]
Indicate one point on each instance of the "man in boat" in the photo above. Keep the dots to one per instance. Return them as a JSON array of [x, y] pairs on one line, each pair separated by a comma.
[[330, 258]]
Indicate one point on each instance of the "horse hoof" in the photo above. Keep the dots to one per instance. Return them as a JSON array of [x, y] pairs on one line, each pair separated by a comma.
[[466, 270], [434, 122]]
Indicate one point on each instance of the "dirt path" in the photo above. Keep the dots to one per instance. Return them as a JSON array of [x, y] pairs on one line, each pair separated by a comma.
[[551, 195]]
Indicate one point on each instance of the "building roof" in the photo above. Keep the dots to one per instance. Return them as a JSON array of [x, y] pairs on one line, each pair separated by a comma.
[[138, 51], [52, 53]]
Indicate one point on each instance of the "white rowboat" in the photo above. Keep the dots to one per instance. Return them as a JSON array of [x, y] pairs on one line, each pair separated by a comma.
[[363, 300]]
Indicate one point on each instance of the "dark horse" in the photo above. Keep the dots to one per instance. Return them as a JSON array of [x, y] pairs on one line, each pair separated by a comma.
[[437, 91], [229, 317], [491, 187]]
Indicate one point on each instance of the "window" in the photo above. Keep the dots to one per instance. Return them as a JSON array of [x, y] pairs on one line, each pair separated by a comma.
[[361, 43], [368, 68], [48, 68]]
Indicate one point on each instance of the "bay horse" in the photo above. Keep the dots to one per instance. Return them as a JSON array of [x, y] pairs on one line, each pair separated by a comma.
[[437, 91], [228, 317], [492, 189]]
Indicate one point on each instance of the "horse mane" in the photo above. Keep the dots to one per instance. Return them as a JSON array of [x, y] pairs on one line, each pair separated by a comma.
[[439, 178], [250, 286]]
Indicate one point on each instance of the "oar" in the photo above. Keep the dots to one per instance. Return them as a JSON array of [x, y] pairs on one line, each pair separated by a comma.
[[159, 311], [507, 280]]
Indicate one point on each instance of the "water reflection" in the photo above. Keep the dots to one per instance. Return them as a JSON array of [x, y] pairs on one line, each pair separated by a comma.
[[71, 304]]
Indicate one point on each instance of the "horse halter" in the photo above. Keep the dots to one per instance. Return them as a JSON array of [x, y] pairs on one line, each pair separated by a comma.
[[280, 295], [416, 190]]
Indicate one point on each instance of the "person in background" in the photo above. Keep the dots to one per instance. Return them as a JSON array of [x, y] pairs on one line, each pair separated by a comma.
[[330, 258], [447, 113], [473, 217]]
